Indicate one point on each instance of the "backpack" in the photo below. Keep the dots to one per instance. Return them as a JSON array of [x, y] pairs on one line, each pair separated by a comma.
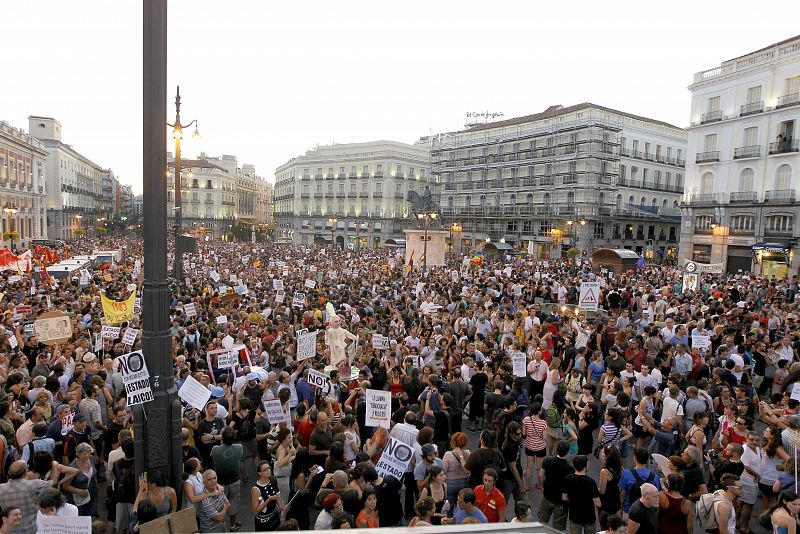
[[635, 493], [9, 454], [125, 483], [553, 417], [704, 511]]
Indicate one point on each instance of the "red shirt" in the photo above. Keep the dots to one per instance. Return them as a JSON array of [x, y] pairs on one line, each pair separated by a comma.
[[304, 432], [490, 504]]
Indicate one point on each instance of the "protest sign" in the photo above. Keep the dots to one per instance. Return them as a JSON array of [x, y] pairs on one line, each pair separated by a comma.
[[306, 344], [299, 300], [796, 391], [395, 459], [275, 412], [589, 296], [222, 319], [110, 332], [135, 378], [313, 268], [14, 279], [61, 524], [279, 296], [117, 311], [53, 328], [380, 342], [190, 310], [130, 336], [317, 379], [227, 360], [379, 408], [701, 342], [520, 363], [194, 393], [311, 284]]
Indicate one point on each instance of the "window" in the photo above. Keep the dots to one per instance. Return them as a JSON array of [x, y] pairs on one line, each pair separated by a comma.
[[330, 171], [622, 172], [779, 223], [783, 178], [707, 183], [702, 223], [599, 230], [306, 172], [710, 143], [754, 95], [791, 86], [365, 170], [746, 180], [750, 136], [379, 168], [378, 188], [353, 170], [713, 104], [399, 170], [743, 223], [411, 172]]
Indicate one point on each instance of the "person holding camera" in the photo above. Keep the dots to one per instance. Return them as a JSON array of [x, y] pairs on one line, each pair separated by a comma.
[[719, 466]]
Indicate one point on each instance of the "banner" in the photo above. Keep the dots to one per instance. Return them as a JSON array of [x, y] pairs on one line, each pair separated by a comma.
[[306, 344], [116, 311], [701, 342], [311, 284], [135, 377], [394, 459], [59, 524], [190, 310], [380, 342], [379, 408]]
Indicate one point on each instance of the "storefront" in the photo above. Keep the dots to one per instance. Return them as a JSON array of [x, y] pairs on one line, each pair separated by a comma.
[[739, 259], [701, 253], [773, 259]]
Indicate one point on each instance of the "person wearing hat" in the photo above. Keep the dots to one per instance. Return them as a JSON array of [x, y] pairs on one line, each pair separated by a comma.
[[429, 459], [218, 393], [76, 436]]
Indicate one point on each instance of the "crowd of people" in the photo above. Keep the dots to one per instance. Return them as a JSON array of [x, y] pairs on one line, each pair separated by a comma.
[[664, 411]]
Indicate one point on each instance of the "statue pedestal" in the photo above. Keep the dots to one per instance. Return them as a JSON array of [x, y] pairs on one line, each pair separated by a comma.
[[437, 246]]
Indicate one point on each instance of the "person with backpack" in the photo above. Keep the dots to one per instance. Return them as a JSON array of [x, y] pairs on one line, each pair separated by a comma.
[[715, 511], [227, 457], [632, 479], [552, 473], [643, 516]]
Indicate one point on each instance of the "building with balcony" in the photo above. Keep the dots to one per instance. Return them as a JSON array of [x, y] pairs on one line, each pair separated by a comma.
[[583, 176], [264, 205], [364, 186], [739, 206], [74, 199], [22, 186]]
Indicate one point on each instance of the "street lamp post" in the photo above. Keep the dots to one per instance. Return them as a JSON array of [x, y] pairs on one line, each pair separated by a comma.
[[80, 222], [10, 210], [177, 134], [157, 428], [333, 221], [426, 216]]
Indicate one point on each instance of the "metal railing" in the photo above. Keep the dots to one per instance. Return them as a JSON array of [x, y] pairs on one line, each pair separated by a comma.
[[711, 116], [699, 199], [751, 108], [788, 100], [780, 195], [753, 151], [743, 196], [706, 157], [782, 147]]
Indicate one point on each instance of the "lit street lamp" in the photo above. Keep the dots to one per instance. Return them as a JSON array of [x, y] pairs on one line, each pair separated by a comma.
[[177, 134], [455, 228], [333, 221], [10, 211], [427, 216]]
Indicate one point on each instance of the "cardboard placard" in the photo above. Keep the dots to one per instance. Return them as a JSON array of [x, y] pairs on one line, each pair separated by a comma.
[[194, 393], [275, 412], [306, 344], [53, 328], [379, 408]]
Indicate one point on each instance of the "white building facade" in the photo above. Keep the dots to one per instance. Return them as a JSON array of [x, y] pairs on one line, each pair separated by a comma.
[[740, 205], [22, 187], [582, 177], [363, 186]]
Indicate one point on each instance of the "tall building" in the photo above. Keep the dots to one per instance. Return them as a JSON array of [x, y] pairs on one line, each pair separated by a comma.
[[582, 177], [216, 192], [74, 183], [22, 186], [264, 205], [740, 203], [363, 186]]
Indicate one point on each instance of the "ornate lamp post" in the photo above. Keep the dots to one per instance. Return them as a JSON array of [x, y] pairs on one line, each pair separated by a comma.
[[177, 134], [333, 221], [10, 210]]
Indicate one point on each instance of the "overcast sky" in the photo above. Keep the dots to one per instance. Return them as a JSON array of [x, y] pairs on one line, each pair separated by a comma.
[[269, 79]]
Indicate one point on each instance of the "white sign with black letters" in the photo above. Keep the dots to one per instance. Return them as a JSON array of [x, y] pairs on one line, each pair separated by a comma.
[[306, 344], [395, 459], [275, 412], [379, 408], [135, 378], [317, 379]]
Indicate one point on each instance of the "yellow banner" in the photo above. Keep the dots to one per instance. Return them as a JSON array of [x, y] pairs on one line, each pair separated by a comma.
[[117, 311]]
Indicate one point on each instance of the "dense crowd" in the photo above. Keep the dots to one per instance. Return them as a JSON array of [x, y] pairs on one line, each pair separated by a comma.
[[664, 411]]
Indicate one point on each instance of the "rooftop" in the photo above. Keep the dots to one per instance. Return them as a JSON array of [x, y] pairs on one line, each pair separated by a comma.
[[762, 56]]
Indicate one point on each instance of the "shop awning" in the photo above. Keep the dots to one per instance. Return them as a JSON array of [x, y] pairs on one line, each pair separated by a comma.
[[781, 248]]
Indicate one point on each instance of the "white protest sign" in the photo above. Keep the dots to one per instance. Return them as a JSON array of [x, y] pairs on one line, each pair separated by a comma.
[[590, 296], [110, 332], [313, 268], [227, 360], [690, 282], [279, 296], [275, 412], [222, 319], [135, 377], [299, 300], [520, 363], [14, 279], [380, 342], [60, 524], [130, 336], [395, 459], [286, 272], [379, 408], [84, 281], [306, 345], [796, 391], [317, 379], [701, 342], [190, 310], [228, 341], [214, 276], [311, 284], [98, 343], [12, 340], [194, 393]]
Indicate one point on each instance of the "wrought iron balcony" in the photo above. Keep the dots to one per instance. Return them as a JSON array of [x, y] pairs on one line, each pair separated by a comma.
[[751, 108], [780, 195], [783, 147], [741, 152], [788, 100], [711, 116], [707, 157], [703, 199], [743, 196]]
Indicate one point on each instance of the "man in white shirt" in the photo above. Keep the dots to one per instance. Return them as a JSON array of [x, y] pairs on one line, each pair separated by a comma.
[[671, 406], [644, 379], [751, 458]]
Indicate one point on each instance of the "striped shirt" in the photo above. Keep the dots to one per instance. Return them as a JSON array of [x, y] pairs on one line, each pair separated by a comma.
[[535, 430]]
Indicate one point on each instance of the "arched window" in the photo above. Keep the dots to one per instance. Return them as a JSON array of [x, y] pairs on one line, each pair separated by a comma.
[[642, 201], [746, 180], [619, 202], [654, 202], [707, 183], [783, 178], [631, 201], [529, 199], [450, 201], [664, 204]]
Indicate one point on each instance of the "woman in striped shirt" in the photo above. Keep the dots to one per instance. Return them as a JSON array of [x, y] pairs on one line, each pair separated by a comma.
[[534, 428]]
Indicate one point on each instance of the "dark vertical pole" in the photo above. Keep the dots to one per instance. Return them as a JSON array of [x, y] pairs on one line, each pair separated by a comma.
[[177, 269], [157, 423], [425, 248]]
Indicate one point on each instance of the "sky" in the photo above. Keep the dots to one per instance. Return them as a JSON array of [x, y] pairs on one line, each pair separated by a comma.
[[269, 79]]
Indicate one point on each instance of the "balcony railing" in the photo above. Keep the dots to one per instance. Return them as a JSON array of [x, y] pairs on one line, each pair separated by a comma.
[[785, 146], [711, 116], [318, 177], [741, 152], [700, 199], [306, 177], [743, 196], [788, 100], [779, 195], [751, 108], [707, 157]]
